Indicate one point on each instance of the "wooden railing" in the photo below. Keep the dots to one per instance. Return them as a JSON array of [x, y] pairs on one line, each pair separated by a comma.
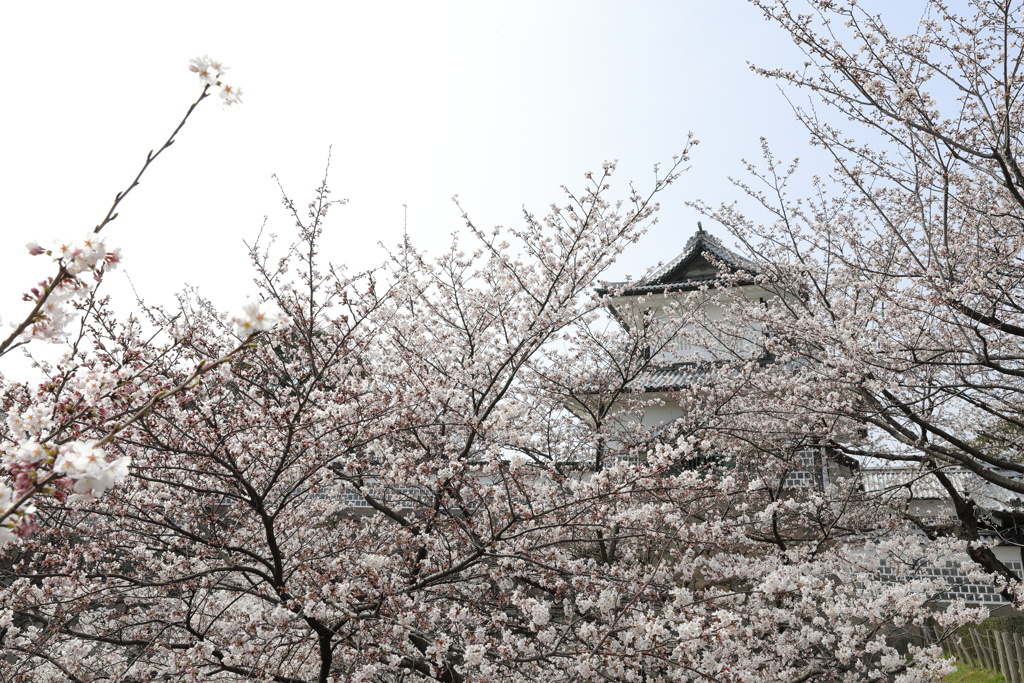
[[1000, 651]]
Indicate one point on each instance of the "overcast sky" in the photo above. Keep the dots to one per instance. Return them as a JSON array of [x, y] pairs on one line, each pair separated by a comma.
[[498, 102]]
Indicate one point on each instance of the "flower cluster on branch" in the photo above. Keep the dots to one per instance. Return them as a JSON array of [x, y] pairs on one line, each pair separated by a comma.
[[41, 455]]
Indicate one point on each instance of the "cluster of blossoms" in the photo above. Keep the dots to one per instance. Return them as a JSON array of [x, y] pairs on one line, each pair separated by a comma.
[[89, 254], [75, 258], [34, 463], [85, 469], [210, 72], [256, 317], [85, 464]]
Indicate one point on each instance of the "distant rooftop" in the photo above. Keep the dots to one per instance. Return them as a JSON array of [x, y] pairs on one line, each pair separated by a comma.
[[689, 270]]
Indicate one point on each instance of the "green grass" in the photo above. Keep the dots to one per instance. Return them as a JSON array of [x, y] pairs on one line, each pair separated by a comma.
[[966, 673]]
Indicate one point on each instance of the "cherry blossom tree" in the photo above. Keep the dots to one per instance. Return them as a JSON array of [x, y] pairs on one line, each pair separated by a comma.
[[430, 473], [896, 327], [436, 470]]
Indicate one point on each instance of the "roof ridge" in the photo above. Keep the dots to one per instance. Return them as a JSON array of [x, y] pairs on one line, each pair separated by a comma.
[[710, 244], [699, 243]]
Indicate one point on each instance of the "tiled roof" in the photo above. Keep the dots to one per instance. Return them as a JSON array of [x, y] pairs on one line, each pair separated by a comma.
[[926, 487], [684, 375], [674, 276], [669, 378], [703, 242]]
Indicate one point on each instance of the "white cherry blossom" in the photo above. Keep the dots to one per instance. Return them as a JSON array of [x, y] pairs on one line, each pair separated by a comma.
[[88, 466]]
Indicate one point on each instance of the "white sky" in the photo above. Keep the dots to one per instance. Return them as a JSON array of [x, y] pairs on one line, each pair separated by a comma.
[[499, 102]]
